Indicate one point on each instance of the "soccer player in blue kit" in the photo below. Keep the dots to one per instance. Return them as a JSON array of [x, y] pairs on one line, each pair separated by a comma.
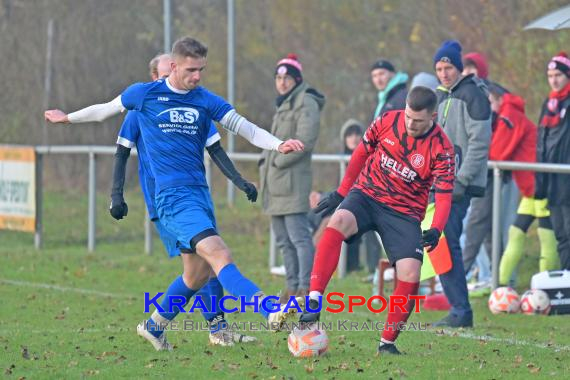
[[174, 116], [129, 136]]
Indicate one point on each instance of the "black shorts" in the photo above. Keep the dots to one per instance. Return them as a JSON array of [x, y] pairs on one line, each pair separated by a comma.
[[400, 234]]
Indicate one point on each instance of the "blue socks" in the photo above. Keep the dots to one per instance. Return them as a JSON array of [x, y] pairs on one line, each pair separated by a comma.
[[235, 283], [179, 294], [212, 288]]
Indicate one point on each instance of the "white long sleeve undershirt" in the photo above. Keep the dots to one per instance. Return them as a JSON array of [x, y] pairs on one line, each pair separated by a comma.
[[97, 112], [237, 124]]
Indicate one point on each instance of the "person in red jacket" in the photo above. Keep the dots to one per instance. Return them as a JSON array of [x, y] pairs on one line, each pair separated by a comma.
[[514, 139]]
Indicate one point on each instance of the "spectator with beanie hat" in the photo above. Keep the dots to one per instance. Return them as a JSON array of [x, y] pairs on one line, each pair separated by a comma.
[[286, 182], [554, 147], [391, 86], [476, 63], [464, 113]]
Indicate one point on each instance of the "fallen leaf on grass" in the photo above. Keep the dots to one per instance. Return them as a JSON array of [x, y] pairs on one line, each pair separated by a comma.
[[105, 354], [217, 366], [399, 372], [533, 368], [120, 359], [8, 370], [309, 369], [25, 353], [233, 366]]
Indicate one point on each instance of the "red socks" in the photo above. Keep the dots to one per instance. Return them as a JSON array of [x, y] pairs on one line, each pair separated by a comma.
[[326, 259], [398, 317]]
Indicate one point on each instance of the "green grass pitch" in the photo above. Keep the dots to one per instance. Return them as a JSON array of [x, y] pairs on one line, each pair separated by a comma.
[[67, 313]]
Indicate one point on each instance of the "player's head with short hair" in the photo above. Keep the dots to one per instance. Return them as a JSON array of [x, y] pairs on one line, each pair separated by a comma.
[[422, 98], [188, 62], [159, 66], [420, 110], [189, 47]]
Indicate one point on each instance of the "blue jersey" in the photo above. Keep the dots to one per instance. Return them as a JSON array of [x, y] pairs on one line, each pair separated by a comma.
[[129, 137], [174, 126]]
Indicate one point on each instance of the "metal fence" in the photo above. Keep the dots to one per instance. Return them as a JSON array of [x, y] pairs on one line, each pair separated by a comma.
[[93, 151]]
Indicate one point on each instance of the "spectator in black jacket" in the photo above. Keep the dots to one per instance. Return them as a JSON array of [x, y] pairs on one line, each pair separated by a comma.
[[391, 86], [553, 146]]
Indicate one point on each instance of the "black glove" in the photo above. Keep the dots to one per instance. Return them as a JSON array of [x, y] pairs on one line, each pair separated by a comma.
[[248, 188], [430, 238], [118, 208], [458, 192], [328, 204]]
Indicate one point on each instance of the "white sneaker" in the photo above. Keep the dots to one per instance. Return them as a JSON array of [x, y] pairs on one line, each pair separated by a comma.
[[227, 337], [277, 319], [159, 344], [479, 285]]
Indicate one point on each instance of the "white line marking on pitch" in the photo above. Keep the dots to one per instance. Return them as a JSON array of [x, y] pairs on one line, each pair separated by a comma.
[[486, 338], [449, 333], [65, 289]]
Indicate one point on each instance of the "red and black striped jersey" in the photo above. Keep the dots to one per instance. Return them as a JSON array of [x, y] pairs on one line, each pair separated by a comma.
[[400, 169]]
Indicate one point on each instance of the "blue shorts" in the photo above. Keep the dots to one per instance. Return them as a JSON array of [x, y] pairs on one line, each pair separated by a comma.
[[172, 245], [187, 213]]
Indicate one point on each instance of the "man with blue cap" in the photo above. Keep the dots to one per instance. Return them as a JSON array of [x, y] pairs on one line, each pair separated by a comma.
[[464, 113]]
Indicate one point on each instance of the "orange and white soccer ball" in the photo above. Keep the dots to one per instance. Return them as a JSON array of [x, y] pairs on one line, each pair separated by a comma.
[[504, 300], [535, 301], [306, 343]]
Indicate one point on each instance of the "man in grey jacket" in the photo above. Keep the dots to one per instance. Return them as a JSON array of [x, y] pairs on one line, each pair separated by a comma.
[[286, 183], [464, 113]]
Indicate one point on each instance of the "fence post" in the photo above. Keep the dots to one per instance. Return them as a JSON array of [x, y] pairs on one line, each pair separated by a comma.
[[38, 236], [147, 234], [92, 205], [231, 87], [272, 249], [496, 225]]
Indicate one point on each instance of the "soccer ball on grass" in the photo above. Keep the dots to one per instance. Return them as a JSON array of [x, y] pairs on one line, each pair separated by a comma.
[[504, 300], [306, 343], [535, 301]]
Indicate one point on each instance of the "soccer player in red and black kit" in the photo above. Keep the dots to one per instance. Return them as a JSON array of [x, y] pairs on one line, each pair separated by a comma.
[[403, 154]]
